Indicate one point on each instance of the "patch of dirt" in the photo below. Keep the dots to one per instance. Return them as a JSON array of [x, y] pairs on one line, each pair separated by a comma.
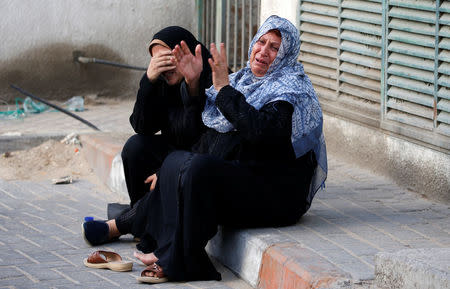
[[50, 160]]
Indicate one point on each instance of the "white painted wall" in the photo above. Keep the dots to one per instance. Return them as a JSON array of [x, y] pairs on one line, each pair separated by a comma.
[[38, 37], [286, 8]]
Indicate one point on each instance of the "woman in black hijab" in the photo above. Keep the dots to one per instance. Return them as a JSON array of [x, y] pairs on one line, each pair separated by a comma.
[[169, 102]]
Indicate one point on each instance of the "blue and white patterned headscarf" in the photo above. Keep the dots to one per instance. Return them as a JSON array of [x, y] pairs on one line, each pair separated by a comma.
[[284, 80]]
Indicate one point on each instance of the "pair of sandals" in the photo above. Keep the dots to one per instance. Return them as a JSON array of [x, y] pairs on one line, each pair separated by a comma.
[[114, 262]]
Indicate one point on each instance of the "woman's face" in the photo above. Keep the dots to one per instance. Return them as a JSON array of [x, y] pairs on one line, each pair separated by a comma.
[[172, 76], [264, 52]]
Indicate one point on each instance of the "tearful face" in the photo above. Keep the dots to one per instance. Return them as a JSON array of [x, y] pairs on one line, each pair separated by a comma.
[[264, 52]]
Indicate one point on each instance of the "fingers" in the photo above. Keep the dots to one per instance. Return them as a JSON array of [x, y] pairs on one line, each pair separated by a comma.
[[150, 179], [177, 52], [198, 51], [185, 48], [163, 60], [223, 52], [163, 53], [219, 57], [211, 63], [160, 63], [153, 185], [214, 52]]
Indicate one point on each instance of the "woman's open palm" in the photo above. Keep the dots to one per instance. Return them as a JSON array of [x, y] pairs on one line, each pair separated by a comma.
[[189, 65]]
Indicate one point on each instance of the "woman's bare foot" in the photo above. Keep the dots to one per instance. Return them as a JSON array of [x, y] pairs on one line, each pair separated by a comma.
[[153, 270], [113, 231], [147, 259]]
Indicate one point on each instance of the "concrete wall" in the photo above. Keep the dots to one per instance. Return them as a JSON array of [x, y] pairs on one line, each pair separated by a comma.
[[413, 166], [286, 9], [39, 37]]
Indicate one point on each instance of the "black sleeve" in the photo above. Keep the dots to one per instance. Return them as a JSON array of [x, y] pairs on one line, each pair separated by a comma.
[[185, 124], [146, 116], [272, 121]]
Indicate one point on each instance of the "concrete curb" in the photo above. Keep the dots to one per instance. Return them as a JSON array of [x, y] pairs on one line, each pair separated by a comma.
[[413, 268], [262, 257], [102, 152], [288, 265]]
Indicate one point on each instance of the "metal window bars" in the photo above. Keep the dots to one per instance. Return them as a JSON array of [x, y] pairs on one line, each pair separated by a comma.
[[231, 21]]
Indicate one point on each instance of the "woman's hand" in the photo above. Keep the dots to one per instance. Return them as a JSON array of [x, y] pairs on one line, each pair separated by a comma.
[[160, 63], [219, 66], [152, 181], [189, 65]]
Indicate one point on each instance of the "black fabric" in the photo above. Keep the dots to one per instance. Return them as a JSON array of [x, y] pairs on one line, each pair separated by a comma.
[[199, 192], [142, 156], [260, 136], [169, 109], [114, 210], [124, 221], [248, 177]]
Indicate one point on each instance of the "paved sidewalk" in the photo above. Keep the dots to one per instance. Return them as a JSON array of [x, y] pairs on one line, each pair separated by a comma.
[[333, 246], [41, 244], [111, 117]]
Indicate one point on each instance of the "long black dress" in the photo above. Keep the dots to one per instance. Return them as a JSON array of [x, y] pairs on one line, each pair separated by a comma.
[[246, 177]]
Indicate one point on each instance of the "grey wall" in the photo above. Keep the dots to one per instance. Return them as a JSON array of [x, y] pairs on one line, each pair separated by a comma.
[[38, 38], [413, 166]]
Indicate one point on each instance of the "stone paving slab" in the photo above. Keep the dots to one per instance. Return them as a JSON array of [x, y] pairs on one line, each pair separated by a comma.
[[41, 244]]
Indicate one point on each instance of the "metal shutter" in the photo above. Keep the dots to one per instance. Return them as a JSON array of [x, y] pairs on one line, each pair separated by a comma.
[[443, 73], [417, 69], [319, 33], [341, 51], [360, 56]]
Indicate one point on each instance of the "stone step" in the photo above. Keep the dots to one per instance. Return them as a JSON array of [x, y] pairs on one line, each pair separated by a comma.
[[413, 268]]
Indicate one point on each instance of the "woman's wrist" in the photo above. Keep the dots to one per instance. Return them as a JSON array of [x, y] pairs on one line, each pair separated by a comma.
[[193, 86]]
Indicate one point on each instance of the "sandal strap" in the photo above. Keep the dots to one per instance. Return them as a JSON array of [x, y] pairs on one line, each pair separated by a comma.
[[96, 257], [155, 268]]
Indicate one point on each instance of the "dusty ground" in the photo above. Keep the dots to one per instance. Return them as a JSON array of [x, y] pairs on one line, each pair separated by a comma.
[[50, 160]]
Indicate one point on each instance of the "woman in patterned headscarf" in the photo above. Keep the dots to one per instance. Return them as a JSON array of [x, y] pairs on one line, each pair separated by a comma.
[[259, 164]]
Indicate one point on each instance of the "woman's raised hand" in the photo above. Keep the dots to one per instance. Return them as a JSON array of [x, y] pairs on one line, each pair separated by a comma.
[[160, 63], [219, 66], [189, 65]]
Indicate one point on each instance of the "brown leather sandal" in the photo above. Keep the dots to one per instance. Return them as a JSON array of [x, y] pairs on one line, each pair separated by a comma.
[[158, 278], [107, 260]]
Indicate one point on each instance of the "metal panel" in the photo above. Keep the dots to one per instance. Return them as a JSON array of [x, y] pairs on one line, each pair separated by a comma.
[[443, 70], [410, 70], [414, 4], [318, 53], [361, 51], [412, 26], [413, 14]]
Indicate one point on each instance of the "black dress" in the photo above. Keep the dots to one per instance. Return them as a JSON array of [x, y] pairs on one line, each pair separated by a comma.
[[244, 178]]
